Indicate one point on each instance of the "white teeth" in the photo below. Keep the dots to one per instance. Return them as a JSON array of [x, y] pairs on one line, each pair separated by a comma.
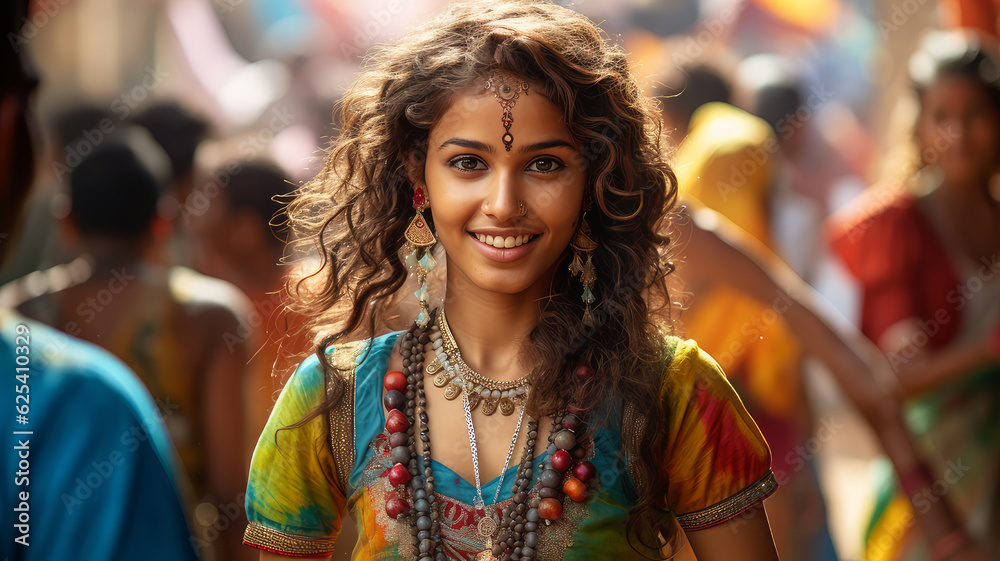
[[504, 242]]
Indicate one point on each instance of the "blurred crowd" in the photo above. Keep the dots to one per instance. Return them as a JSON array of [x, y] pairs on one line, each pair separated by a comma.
[[857, 142]]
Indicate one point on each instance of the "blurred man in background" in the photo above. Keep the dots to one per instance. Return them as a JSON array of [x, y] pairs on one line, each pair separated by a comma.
[[93, 472]]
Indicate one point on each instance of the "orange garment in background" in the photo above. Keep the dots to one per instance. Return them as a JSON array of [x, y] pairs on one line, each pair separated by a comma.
[[725, 164]]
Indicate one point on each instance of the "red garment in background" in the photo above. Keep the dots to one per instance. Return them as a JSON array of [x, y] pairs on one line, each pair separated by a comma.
[[891, 248], [980, 15]]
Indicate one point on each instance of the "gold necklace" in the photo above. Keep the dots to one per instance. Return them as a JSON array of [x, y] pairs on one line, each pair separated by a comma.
[[455, 376]]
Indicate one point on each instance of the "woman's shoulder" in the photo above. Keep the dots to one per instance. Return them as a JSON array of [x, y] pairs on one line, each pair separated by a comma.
[[715, 456], [700, 404], [350, 359], [689, 367]]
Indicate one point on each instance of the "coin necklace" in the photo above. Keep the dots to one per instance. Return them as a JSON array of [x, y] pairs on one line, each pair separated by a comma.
[[457, 378]]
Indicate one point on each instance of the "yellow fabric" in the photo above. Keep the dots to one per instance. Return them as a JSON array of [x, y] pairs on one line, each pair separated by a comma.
[[147, 340], [752, 343], [885, 541], [704, 411], [726, 162]]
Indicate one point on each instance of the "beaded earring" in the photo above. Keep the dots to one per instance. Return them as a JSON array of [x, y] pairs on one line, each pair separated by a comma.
[[583, 265], [420, 261]]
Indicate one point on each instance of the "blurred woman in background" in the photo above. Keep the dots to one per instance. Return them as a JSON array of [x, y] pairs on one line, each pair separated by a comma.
[[925, 252]]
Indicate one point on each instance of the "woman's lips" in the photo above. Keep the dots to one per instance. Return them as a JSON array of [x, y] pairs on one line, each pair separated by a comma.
[[520, 246]]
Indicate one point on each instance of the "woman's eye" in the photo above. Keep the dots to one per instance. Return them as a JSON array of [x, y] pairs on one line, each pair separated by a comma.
[[468, 164], [545, 165]]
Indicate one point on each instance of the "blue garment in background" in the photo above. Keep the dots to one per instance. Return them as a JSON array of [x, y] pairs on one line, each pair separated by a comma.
[[101, 469]]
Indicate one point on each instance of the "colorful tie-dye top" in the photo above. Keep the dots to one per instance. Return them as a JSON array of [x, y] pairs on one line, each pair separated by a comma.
[[304, 480]]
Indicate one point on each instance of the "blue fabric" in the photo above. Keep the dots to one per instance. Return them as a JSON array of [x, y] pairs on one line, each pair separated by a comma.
[[370, 420], [100, 479]]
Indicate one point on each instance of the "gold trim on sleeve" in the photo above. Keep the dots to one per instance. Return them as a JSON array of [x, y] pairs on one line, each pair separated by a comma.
[[731, 507], [262, 537], [342, 415], [633, 429]]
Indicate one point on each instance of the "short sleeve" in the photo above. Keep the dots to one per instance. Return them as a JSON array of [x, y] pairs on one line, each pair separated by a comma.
[[716, 460], [295, 502]]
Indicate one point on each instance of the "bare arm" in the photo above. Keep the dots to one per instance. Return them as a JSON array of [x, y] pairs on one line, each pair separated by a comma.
[[746, 537], [920, 371], [859, 368], [223, 411]]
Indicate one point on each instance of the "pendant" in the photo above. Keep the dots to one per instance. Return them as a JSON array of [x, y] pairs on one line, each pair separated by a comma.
[[434, 366], [441, 379], [485, 555], [473, 401], [489, 406], [452, 391], [506, 406]]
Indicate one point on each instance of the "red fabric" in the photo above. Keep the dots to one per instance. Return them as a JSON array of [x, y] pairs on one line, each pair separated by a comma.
[[889, 246], [980, 15]]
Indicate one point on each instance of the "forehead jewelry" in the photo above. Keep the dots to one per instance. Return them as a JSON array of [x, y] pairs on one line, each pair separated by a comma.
[[506, 88]]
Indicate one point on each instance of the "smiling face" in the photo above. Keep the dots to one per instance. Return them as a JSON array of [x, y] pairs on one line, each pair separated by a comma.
[[476, 188], [960, 126]]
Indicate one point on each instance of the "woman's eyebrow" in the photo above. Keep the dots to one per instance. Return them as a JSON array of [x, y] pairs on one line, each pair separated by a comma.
[[467, 143], [545, 145]]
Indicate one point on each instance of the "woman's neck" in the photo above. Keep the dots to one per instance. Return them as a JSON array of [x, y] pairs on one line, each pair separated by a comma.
[[490, 328]]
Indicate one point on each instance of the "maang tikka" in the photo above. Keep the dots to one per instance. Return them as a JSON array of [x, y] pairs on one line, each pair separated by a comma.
[[420, 261], [583, 265], [507, 89]]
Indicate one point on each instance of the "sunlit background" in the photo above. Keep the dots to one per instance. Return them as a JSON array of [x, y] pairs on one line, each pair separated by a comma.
[[264, 76]]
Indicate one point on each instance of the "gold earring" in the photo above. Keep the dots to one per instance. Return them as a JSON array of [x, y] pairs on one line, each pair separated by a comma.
[[418, 233], [420, 261], [583, 265]]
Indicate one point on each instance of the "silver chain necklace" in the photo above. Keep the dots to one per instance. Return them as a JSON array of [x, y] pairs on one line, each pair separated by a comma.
[[487, 524]]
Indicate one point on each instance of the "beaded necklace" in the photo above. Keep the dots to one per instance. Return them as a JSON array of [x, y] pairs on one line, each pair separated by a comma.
[[413, 500]]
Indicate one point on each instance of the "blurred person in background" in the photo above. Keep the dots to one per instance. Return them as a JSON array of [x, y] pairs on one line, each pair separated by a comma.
[[924, 252], [178, 132], [241, 239], [236, 242], [727, 162], [721, 254], [682, 91], [166, 323], [92, 473]]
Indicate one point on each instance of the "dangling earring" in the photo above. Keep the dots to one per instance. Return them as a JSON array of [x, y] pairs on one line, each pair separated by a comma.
[[420, 261], [583, 243]]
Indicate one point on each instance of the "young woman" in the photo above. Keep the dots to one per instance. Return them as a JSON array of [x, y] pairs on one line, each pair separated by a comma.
[[541, 410], [924, 252]]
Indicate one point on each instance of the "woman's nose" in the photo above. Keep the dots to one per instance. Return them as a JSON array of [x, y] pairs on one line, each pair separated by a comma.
[[501, 200]]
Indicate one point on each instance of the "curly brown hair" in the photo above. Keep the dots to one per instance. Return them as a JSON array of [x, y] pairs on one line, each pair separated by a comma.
[[352, 216]]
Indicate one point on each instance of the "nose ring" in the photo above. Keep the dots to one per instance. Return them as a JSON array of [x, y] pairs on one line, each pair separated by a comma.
[[522, 210]]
